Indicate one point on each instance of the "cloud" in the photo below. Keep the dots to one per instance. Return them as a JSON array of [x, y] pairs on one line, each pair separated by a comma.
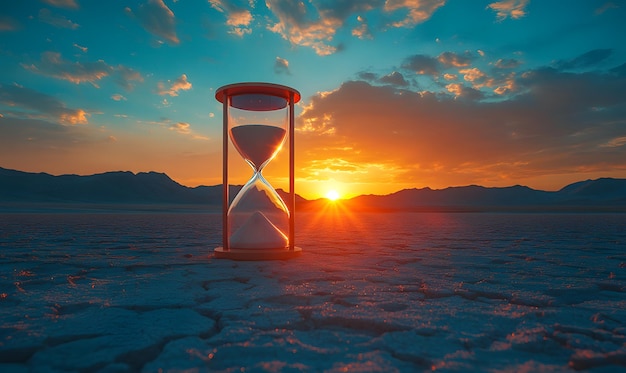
[[25, 103], [281, 66], [507, 63], [83, 49], [157, 19], [514, 9], [314, 24], [367, 76], [46, 16], [53, 65], [180, 84], [70, 4], [118, 97], [585, 60], [22, 138], [238, 15], [605, 7], [463, 92], [126, 77], [616, 142], [362, 31], [181, 127], [418, 11], [296, 24], [422, 64], [395, 78], [475, 76], [557, 123], [451, 59], [8, 24]]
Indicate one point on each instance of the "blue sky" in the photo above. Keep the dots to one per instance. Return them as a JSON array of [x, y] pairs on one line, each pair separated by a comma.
[[395, 94]]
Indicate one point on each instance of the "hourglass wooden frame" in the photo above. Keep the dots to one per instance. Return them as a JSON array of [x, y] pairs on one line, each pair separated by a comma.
[[224, 95]]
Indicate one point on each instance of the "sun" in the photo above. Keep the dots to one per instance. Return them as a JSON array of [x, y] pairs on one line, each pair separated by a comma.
[[332, 195]]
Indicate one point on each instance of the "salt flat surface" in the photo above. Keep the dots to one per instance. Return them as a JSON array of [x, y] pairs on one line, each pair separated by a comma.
[[371, 292]]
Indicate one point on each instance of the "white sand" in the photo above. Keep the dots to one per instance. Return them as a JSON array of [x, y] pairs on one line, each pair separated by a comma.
[[258, 233]]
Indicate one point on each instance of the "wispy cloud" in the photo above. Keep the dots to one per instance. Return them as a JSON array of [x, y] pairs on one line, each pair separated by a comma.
[[70, 4], [8, 24], [53, 65], [157, 19], [513, 9], [585, 60], [126, 77], [172, 88], [182, 128], [56, 20], [118, 97], [83, 49], [507, 63], [606, 7], [27, 103]]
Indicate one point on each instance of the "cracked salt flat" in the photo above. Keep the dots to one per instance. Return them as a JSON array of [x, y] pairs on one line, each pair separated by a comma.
[[373, 292]]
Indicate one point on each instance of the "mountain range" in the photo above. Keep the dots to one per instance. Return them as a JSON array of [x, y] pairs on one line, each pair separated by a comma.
[[122, 188]]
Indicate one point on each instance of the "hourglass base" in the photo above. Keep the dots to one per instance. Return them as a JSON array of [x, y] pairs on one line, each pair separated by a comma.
[[257, 254]]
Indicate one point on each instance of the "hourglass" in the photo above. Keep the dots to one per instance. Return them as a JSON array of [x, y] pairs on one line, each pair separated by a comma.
[[257, 224]]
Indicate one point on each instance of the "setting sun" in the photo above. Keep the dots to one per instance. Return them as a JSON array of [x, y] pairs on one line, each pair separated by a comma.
[[332, 195]]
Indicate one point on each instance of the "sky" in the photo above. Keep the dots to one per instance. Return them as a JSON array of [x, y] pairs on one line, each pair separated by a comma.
[[395, 93]]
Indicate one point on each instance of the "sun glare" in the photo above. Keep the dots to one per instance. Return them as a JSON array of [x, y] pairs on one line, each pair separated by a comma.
[[332, 195]]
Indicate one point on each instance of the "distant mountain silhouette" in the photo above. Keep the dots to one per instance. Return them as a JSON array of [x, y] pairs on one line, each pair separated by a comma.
[[601, 194], [119, 187], [124, 188]]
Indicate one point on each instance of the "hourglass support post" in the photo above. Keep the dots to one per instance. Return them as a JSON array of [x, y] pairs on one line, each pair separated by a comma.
[[225, 187], [292, 193]]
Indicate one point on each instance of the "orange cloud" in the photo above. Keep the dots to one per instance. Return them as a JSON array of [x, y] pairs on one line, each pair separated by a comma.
[[362, 31], [418, 10], [74, 117], [26, 103], [239, 17], [384, 139], [509, 8], [455, 59], [180, 84]]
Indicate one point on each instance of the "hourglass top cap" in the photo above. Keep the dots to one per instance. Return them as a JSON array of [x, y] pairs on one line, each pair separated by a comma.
[[256, 88]]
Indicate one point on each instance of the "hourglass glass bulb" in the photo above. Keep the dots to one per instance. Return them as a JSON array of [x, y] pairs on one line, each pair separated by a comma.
[[257, 143]]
